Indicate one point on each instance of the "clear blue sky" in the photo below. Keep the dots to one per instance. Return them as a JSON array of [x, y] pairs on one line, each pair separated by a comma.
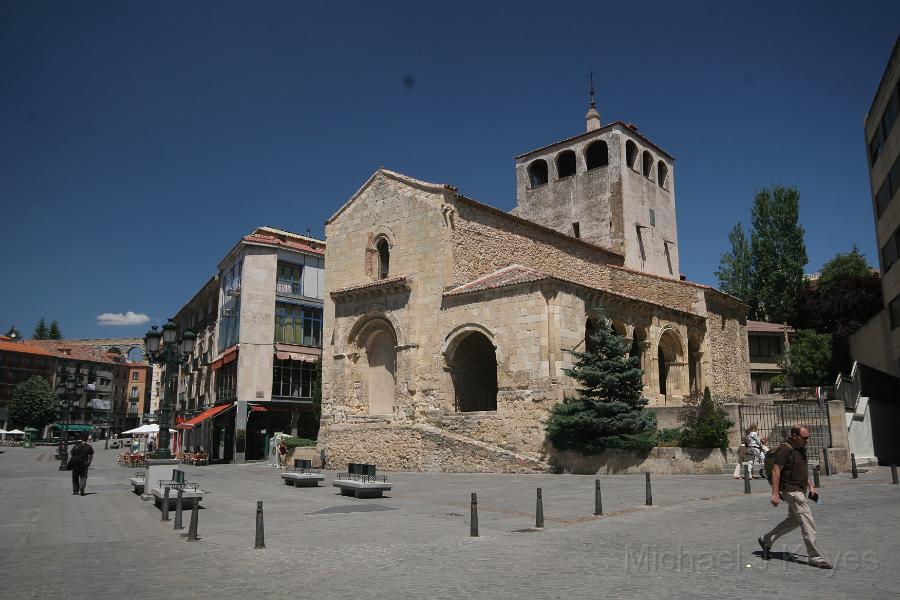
[[140, 140]]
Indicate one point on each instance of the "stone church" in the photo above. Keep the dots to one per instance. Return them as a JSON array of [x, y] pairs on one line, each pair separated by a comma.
[[449, 322]]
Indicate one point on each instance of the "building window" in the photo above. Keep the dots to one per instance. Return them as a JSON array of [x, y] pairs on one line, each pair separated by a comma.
[[662, 174], [226, 382], [537, 173], [894, 308], [576, 229], [647, 159], [135, 375], [301, 325], [765, 346], [652, 218], [134, 392], [565, 164], [384, 258], [289, 281], [888, 189], [293, 379], [668, 257], [596, 155]]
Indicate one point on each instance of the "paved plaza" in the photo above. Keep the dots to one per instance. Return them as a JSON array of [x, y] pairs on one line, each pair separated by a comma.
[[698, 540]]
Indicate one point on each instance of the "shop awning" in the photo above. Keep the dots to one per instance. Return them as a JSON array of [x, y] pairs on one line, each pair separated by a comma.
[[230, 356], [206, 414], [282, 355], [274, 409], [73, 427]]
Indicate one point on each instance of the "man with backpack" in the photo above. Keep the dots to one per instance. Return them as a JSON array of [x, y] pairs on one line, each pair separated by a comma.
[[790, 481], [81, 457]]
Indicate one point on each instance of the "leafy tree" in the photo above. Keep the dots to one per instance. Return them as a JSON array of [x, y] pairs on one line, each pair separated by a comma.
[[842, 266], [41, 331], [33, 404], [705, 426], [12, 332], [807, 359], [609, 410], [54, 333], [734, 272], [778, 253]]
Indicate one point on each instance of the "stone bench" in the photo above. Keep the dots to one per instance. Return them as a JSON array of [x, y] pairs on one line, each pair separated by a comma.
[[362, 486], [137, 483], [302, 478], [189, 496]]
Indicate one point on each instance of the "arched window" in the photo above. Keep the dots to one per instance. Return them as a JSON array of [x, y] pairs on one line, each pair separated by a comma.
[[631, 153], [473, 370], [384, 258], [565, 164], [648, 163], [596, 155], [537, 173], [662, 172]]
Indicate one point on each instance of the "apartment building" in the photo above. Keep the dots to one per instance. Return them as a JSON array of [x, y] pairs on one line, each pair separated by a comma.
[[259, 338]]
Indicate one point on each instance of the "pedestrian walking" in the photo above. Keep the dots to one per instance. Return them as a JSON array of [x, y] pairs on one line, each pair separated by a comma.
[[790, 482], [80, 459], [282, 453], [756, 450]]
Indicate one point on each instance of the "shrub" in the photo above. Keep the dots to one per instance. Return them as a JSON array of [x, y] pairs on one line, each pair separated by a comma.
[[669, 438], [705, 426], [297, 442]]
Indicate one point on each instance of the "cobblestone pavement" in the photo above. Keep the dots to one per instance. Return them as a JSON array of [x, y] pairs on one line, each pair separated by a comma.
[[697, 541]]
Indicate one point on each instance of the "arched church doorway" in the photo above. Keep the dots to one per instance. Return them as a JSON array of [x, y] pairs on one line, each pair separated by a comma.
[[473, 370], [669, 358], [381, 358]]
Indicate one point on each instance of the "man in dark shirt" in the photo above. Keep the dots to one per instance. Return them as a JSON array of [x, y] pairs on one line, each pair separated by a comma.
[[790, 480], [81, 457]]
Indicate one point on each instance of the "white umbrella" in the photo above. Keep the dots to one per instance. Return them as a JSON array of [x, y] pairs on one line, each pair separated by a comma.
[[154, 428], [16, 432], [2, 431]]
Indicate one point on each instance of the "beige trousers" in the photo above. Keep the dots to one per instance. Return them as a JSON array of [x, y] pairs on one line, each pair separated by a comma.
[[799, 515]]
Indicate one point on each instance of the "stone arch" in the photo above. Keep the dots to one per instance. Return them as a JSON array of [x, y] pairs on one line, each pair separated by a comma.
[[662, 174], [471, 356], [378, 252], [695, 356], [596, 155], [565, 164], [670, 363], [631, 154], [647, 160], [356, 330], [537, 173], [377, 339], [135, 354]]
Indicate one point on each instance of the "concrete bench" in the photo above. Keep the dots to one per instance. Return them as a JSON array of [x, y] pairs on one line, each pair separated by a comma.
[[137, 483], [189, 496], [302, 479], [362, 486]]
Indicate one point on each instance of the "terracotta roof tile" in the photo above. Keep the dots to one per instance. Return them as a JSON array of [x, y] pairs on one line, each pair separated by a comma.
[[23, 348], [764, 327], [511, 275], [272, 240]]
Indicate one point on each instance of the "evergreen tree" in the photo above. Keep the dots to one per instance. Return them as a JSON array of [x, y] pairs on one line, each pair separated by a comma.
[[734, 267], [33, 404], [778, 253], [54, 333], [705, 426], [609, 410], [12, 332], [41, 331]]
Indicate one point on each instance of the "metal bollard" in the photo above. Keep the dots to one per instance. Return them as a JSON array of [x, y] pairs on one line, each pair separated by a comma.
[[178, 509], [826, 462], [649, 493], [746, 479], [598, 501], [165, 505], [816, 475], [195, 515], [473, 523], [853, 469], [894, 474], [260, 530], [539, 511]]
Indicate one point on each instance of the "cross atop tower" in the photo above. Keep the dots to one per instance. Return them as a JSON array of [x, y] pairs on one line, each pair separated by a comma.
[[592, 117]]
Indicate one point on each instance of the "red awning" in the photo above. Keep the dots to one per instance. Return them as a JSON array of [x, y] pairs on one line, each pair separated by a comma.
[[230, 356], [281, 409], [206, 414]]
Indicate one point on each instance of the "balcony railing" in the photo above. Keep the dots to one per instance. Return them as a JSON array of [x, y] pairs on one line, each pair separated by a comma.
[[288, 287]]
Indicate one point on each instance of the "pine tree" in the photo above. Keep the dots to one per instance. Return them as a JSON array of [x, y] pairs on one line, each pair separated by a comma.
[[778, 253], [609, 410], [734, 267], [12, 332], [54, 333], [41, 331]]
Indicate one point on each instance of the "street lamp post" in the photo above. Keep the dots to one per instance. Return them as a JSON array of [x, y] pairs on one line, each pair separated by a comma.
[[164, 349], [68, 389]]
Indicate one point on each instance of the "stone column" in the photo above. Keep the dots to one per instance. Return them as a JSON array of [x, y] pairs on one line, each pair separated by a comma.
[[240, 431], [695, 360], [651, 370]]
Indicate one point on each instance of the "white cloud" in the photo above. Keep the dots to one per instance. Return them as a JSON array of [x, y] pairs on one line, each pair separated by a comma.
[[129, 318]]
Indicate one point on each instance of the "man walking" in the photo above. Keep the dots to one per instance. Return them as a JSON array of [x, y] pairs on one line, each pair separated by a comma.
[[81, 457], [790, 480]]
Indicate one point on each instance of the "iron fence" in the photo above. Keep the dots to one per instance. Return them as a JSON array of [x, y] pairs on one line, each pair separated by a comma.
[[472, 400], [774, 422]]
